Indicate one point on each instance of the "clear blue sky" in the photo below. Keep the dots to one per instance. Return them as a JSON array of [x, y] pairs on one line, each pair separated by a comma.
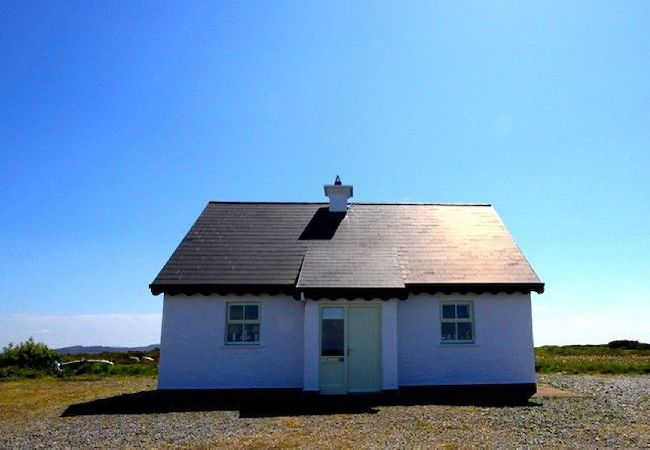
[[120, 120]]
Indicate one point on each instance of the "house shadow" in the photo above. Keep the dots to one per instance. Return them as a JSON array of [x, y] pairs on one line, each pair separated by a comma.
[[323, 225], [277, 403]]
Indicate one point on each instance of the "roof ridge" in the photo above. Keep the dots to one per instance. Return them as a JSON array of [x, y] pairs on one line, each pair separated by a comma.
[[421, 204], [235, 202], [239, 202]]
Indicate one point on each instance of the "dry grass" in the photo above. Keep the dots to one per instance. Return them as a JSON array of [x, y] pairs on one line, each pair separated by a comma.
[[591, 359], [286, 438], [48, 396]]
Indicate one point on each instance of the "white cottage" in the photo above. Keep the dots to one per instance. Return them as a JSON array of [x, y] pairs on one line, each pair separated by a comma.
[[345, 298]]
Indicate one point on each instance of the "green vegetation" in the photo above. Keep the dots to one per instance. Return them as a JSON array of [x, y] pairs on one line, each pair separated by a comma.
[[116, 369], [124, 364], [31, 359], [26, 360], [613, 358]]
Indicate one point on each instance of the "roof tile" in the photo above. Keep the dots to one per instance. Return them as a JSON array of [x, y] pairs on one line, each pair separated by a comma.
[[372, 246]]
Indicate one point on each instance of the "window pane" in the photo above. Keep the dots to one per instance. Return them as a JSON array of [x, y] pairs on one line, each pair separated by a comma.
[[333, 313], [251, 312], [462, 311], [234, 332], [251, 333], [448, 331], [465, 331], [236, 312], [332, 337], [448, 311]]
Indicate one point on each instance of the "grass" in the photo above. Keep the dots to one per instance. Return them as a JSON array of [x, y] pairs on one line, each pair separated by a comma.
[[575, 359], [123, 365], [118, 370], [87, 369], [49, 396]]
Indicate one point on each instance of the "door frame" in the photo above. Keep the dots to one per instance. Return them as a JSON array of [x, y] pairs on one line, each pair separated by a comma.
[[377, 306]]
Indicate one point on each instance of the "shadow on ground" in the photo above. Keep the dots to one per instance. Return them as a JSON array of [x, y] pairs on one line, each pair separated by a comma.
[[255, 404]]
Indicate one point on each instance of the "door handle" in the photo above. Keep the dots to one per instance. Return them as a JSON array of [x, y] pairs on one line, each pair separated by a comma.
[[349, 350]]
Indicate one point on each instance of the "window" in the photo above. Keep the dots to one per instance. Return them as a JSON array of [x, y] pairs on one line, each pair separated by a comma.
[[333, 331], [457, 322], [243, 323]]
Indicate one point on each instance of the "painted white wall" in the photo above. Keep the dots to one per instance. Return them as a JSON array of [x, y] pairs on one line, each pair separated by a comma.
[[194, 353], [389, 340], [501, 353], [312, 346]]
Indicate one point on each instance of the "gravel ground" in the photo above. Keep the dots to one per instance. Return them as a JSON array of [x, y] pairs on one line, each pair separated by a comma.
[[609, 411]]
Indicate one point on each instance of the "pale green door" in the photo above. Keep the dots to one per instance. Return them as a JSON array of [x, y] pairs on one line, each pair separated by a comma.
[[350, 359], [364, 349]]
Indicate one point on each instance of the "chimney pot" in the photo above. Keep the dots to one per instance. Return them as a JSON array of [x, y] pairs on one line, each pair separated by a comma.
[[338, 194]]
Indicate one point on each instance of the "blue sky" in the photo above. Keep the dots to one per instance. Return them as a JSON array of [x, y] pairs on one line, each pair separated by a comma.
[[120, 120]]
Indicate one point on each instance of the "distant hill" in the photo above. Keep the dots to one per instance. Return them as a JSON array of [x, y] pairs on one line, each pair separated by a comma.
[[93, 349]]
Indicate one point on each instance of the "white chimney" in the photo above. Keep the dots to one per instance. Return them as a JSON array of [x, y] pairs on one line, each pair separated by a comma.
[[338, 195]]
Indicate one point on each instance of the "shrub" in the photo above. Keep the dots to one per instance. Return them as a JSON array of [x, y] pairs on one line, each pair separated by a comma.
[[28, 355], [629, 345]]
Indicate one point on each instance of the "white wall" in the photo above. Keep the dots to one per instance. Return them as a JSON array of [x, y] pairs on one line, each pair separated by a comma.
[[312, 346], [503, 349], [389, 340], [194, 354]]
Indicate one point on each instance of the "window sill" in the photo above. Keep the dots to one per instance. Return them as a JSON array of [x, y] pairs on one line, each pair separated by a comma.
[[457, 344], [246, 346]]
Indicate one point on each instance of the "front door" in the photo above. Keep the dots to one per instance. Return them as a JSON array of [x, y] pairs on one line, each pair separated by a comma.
[[350, 358]]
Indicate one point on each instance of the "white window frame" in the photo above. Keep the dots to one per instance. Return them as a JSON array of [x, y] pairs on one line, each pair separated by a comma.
[[457, 320], [243, 322]]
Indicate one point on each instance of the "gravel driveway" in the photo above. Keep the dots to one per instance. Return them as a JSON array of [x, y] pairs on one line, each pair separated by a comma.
[[607, 411]]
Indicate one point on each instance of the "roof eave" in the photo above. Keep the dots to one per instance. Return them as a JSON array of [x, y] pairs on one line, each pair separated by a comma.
[[316, 293], [476, 288], [221, 289]]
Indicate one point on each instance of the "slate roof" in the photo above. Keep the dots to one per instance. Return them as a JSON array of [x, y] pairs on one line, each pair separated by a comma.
[[373, 250]]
